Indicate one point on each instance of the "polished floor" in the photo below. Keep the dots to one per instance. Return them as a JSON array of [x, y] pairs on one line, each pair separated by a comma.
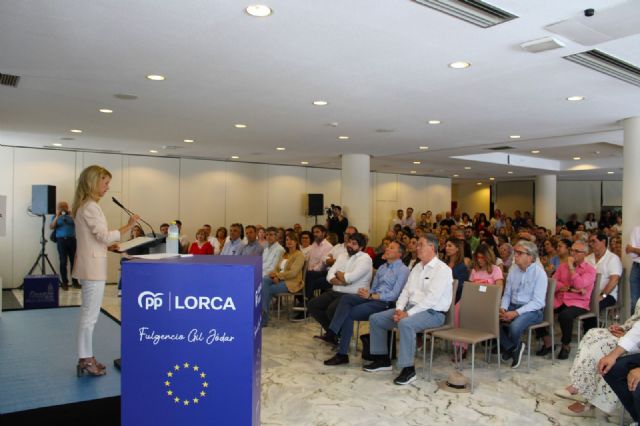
[[297, 389]]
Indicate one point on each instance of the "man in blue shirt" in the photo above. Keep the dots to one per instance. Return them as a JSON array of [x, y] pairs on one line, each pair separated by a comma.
[[385, 289], [523, 300], [253, 247], [65, 232], [234, 246]]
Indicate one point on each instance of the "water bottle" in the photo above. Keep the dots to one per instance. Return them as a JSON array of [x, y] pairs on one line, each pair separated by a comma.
[[173, 238]]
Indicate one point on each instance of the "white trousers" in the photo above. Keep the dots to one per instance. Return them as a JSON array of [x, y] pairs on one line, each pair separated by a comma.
[[92, 292]]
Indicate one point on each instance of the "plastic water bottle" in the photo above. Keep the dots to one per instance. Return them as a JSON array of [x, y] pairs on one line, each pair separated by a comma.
[[173, 238]]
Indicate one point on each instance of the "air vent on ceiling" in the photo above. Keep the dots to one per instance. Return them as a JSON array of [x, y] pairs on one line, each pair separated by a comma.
[[501, 148], [607, 64], [9, 80], [474, 11]]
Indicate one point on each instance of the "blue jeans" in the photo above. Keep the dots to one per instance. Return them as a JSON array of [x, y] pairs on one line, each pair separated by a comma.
[[66, 253], [408, 327], [634, 285], [616, 378], [352, 308], [511, 333], [269, 289]]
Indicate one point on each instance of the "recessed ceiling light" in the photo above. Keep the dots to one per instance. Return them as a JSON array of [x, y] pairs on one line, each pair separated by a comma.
[[417, 162], [304, 163], [343, 138], [509, 172], [153, 151], [189, 141], [459, 65], [596, 152], [434, 121], [280, 148], [515, 136], [424, 147], [577, 158], [75, 131], [106, 110], [258, 10], [56, 144], [479, 183], [610, 173], [535, 151], [492, 178], [455, 175], [320, 103], [575, 98], [467, 168], [413, 172], [234, 157], [155, 77], [240, 126]]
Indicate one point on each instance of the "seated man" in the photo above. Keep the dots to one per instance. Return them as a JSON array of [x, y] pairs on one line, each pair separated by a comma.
[[385, 289], [234, 246], [350, 272], [623, 374], [316, 277], [422, 304], [523, 300], [252, 247]]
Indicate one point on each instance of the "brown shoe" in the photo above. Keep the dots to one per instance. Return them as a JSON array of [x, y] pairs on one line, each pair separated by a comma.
[[87, 365]]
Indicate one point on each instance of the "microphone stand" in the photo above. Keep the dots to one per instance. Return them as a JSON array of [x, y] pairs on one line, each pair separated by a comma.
[[130, 213]]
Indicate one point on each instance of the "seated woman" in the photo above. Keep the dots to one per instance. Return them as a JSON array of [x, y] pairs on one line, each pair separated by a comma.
[[286, 277], [201, 245], [506, 256], [454, 257], [306, 238], [588, 388], [218, 241], [575, 279], [485, 270], [550, 259], [411, 256]]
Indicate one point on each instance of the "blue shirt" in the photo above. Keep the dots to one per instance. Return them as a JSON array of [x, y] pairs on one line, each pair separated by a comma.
[[460, 273], [390, 280], [233, 248], [526, 289], [65, 226], [252, 249]]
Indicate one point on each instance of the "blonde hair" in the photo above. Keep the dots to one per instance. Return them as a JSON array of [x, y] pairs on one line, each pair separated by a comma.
[[88, 185]]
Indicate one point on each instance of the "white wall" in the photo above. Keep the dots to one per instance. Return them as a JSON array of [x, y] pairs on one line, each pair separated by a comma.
[[579, 197], [511, 196], [195, 191], [471, 198]]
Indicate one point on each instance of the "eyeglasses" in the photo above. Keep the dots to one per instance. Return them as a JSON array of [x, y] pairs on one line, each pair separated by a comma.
[[517, 252]]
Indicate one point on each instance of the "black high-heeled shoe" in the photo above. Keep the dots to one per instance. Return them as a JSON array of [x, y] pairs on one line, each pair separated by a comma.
[[545, 350], [88, 366]]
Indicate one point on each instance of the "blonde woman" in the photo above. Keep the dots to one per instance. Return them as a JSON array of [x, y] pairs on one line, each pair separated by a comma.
[[93, 239]]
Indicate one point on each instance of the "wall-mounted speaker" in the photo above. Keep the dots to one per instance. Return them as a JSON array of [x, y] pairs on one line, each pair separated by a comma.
[[315, 204], [43, 199]]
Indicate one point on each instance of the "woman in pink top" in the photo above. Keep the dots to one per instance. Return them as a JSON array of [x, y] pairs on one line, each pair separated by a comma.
[[485, 270], [575, 279]]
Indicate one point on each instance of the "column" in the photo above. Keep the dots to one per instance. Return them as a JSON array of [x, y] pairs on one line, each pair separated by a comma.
[[545, 200], [630, 193], [356, 191]]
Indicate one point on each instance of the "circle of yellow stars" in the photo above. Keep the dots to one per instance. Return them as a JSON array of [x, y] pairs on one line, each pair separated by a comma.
[[181, 369]]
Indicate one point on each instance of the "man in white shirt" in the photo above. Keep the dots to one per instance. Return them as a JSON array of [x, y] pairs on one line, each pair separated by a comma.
[[398, 220], [339, 249], [272, 251], [609, 266], [348, 274], [422, 304], [633, 250], [409, 220]]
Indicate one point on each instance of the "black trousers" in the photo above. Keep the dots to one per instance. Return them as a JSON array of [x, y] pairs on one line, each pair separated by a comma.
[[604, 303], [66, 253], [617, 379], [323, 307], [566, 316], [315, 280]]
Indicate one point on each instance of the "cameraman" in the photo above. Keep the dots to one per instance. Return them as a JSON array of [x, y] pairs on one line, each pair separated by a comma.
[[65, 238], [337, 223]]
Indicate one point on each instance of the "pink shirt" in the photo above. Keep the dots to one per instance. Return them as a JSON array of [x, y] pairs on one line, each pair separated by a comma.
[[484, 277], [583, 278]]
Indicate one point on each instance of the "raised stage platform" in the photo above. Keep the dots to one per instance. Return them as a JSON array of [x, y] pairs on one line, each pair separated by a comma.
[[38, 375]]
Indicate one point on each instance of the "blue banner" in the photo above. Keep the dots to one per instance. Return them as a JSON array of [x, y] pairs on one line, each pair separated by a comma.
[[191, 341]]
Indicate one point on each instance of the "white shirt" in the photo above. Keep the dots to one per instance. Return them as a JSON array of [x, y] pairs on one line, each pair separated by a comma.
[[357, 272], [316, 255], [630, 342], [395, 222], [270, 256], [609, 264], [428, 287], [215, 244], [335, 252], [410, 222], [634, 240]]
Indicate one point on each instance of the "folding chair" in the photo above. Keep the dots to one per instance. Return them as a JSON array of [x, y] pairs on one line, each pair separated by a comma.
[[623, 295], [548, 321], [594, 311]]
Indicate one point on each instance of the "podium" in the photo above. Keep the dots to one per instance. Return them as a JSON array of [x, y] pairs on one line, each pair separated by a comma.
[[191, 341]]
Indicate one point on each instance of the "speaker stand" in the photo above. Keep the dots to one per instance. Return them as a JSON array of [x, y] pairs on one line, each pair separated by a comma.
[[42, 257]]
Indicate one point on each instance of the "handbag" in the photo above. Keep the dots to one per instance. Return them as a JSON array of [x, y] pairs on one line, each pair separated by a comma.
[[53, 237]]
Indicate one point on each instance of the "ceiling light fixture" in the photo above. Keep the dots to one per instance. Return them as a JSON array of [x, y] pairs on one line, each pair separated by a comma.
[[575, 98], [56, 144], [343, 138], [434, 121], [417, 162], [479, 183], [413, 172], [240, 126], [280, 148], [467, 168], [155, 77], [492, 178], [106, 110], [610, 173], [153, 151], [320, 103], [424, 148], [189, 141], [535, 151], [258, 10], [509, 172], [455, 175], [75, 131], [515, 136], [577, 158], [459, 65], [304, 163], [234, 157]]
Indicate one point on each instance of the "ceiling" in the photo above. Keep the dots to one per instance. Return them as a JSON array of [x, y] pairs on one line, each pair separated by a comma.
[[382, 65]]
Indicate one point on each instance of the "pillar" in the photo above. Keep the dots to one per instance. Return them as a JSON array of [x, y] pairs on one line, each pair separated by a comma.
[[630, 193], [356, 191], [545, 201]]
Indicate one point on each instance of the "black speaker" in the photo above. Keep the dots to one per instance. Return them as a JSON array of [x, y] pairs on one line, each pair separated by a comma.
[[316, 204], [43, 199]]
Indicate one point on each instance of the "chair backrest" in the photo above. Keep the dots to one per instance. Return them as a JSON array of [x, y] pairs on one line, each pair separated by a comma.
[[451, 313], [624, 296], [479, 307], [304, 272], [548, 307], [595, 297]]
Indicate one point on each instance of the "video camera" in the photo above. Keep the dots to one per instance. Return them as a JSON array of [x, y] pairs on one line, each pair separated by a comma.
[[329, 211]]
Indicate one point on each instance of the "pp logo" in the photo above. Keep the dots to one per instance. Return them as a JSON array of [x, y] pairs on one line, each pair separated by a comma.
[[149, 300]]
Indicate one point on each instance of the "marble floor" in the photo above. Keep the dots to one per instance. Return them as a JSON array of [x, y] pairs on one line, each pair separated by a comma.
[[298, 389]]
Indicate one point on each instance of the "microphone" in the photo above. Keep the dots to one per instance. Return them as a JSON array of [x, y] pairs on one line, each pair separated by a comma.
[[130, 213]]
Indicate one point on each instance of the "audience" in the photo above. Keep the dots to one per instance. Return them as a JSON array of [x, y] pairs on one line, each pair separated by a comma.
[[201, 245], [316, 278], [305, 242], [218, 240], [234, 246], [272, 252], [252, 247]]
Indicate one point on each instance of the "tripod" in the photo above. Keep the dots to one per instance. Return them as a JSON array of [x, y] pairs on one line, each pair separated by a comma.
[[42, 257]]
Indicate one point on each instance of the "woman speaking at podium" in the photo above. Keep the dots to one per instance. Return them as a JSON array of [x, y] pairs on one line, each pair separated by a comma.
[[93, 240]]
